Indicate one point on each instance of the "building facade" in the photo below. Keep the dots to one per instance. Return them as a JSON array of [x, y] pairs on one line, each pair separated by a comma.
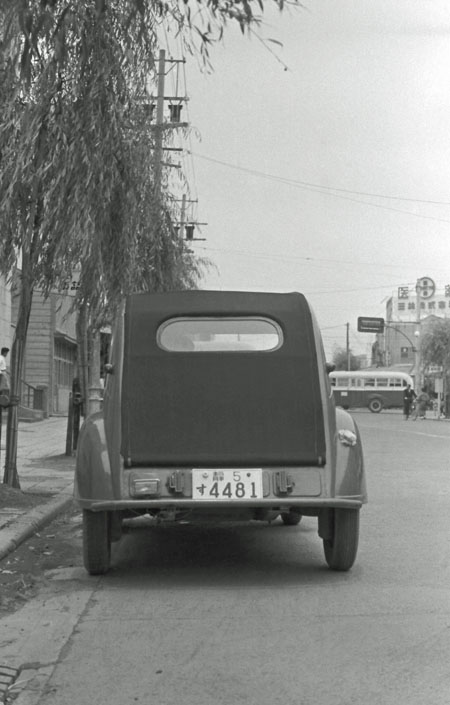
[[51, 351], [410, 306], [410, 313]]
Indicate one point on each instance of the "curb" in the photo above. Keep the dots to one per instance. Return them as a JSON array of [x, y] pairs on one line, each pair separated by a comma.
[[21, 529]]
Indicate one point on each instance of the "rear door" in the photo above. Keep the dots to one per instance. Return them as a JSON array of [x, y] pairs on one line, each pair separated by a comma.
[[214, 396]]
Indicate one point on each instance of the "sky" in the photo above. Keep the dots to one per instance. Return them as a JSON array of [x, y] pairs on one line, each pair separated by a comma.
[[323, 166]]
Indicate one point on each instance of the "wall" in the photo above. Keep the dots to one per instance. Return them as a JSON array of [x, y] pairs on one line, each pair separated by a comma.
[[39, 348], [65, 322]]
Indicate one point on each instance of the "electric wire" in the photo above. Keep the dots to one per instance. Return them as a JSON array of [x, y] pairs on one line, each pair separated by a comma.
[[307, 259], [328, 191]]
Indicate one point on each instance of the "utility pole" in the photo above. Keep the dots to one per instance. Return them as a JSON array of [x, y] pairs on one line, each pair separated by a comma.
[[159, 122], [160, 125], [348, 345], [188, 225], [182, 214], [417, 376]]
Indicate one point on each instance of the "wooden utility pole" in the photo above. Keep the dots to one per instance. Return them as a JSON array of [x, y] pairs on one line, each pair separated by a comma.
[[417, 375], [348, 345], [159, 122]]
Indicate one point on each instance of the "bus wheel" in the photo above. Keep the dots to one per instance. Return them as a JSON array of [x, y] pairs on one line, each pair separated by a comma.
[[375, 406], [340, 550]]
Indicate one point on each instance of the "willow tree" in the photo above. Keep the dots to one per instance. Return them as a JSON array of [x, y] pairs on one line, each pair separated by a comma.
[[76, 153]]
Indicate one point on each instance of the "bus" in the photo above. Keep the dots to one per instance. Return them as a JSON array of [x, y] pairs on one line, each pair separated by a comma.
[[374, 389]]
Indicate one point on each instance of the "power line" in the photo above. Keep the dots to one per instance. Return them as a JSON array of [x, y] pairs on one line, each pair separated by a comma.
[[310, 260], [321, 186], [327, 191]]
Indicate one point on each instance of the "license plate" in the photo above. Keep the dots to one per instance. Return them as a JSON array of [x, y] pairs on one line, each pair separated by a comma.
[[225, 485]]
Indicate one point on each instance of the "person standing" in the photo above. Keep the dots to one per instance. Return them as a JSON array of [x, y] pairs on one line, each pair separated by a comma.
[[421, 404], [408, 398], [3, 354], [4, 380]]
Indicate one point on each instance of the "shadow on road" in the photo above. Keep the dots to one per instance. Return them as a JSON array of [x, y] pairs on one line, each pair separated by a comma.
[[256, 555]]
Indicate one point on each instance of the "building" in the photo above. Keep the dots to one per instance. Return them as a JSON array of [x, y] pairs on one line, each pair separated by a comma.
[[408, 307], [409, 313], [50, 353]]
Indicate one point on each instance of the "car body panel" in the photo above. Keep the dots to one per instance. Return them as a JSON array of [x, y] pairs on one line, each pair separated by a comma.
[[220, 408], [316, 462]]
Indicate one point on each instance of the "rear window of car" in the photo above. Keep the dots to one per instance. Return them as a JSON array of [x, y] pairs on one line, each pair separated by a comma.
[[224, 334]]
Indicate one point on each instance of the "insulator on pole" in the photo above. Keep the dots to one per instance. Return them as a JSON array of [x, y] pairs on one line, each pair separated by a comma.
[[175, 112], [189, 230]]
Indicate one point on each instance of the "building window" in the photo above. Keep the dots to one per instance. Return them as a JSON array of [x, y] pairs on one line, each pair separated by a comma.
[[422, 304], [441, 304], [64, 361], [404, 352], [432, 304]]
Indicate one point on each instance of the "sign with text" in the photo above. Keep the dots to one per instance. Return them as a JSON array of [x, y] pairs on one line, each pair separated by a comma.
[[370, 325]]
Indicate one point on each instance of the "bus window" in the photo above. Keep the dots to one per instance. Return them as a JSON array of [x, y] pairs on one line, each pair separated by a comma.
[[369, 382], [382, 382], [342, 382], [398, 382]]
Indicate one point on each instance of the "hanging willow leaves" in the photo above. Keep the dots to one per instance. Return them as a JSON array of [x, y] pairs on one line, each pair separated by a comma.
[[77, 177]]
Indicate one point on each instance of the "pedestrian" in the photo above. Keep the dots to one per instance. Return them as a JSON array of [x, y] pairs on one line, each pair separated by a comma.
[[3, 354], [408, 399], [421, 405]]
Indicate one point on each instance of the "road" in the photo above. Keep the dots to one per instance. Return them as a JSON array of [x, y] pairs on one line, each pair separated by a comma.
[[227, 615]]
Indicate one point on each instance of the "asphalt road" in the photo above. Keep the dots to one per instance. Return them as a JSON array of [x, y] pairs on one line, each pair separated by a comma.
[[227, 615]]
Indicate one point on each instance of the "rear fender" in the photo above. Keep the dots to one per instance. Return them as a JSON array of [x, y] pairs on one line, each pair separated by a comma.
[[92, 469], [350, 479]]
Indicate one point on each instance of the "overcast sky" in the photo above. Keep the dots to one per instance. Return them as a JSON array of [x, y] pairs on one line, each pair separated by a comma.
[[288, 158]]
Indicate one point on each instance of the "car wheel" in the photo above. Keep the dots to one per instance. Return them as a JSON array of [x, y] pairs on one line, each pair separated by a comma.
[[96, 542], [291, 518], [375, 406], [341, 549]]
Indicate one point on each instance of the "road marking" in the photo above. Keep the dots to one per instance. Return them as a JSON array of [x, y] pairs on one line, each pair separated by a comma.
[[404, 430]]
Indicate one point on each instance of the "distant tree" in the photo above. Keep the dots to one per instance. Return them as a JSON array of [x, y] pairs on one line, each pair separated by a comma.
[[340, 360], [435, 345]]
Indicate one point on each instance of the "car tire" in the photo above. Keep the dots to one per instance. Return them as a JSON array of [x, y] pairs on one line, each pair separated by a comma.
[[341, 549], [291, 518], [375, 405], [96, 542]]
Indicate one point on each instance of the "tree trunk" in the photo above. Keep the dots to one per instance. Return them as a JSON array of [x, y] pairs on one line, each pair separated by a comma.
[[32, 212], [83, 356], [11, 476]]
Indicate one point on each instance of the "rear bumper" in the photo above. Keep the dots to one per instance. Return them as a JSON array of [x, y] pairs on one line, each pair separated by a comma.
[[189, 504]]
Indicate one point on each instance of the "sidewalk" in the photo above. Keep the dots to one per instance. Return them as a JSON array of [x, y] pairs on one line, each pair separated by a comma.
[[44, 470]]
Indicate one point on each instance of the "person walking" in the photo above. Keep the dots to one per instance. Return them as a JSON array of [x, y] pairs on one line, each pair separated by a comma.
[[408, 399], [421, 405]]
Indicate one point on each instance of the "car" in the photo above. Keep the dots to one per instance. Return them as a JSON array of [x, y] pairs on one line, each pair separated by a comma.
[[218, 407]]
